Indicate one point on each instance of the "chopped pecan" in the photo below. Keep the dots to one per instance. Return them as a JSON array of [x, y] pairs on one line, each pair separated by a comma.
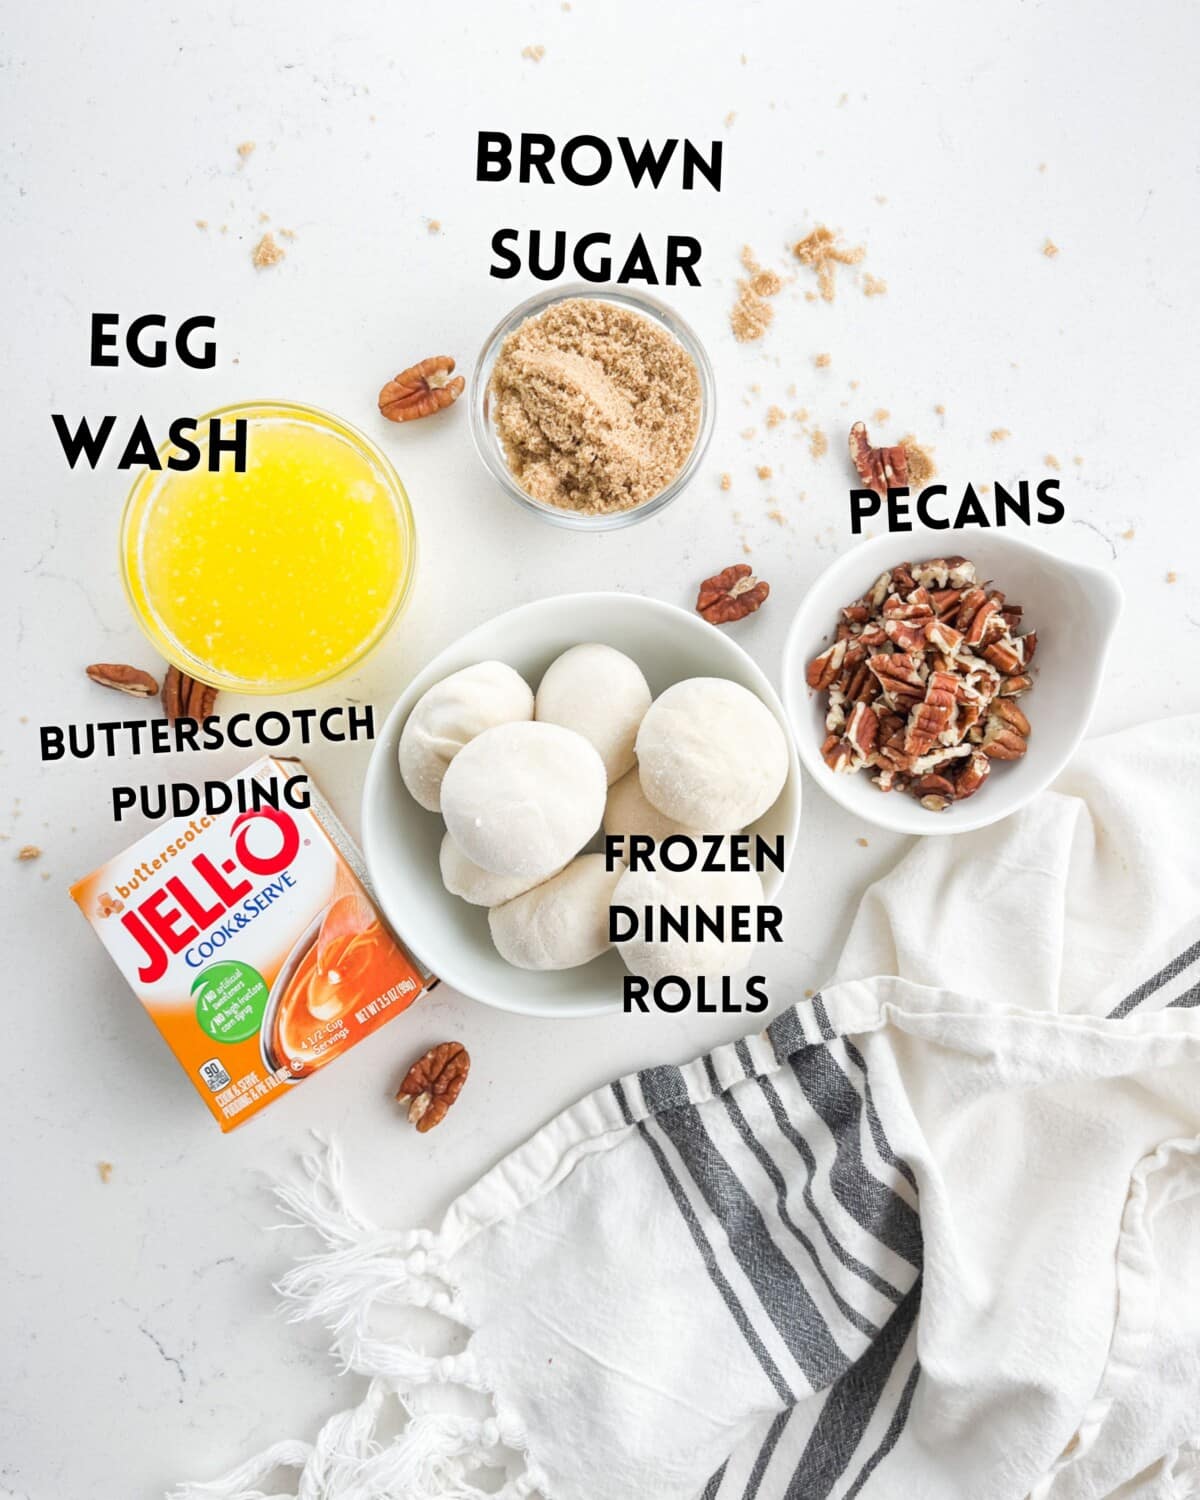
[[433, 1083], [1004, 656], [921, 680], [931, 718], [907, 635], [731, 595], [934, 784], [125, 679], [823, 669], [862, 728], [880, 469], [185, 698], [980, 622], [421, 390], [971, 775]]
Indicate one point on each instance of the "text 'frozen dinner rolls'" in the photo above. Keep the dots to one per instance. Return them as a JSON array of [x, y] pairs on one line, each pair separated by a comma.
[[683, 893], [450, 715], [523, 799], [601, 694], [464, 878], [563, 922], [711, 755]]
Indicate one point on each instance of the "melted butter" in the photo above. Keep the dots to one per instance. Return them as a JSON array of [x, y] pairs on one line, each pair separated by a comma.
[[284, 573]]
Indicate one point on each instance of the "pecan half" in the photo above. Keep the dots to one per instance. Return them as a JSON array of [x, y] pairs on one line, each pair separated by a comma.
[[421, 390], [185, 698], [731, 595], [433, 1083], [124, 679], [880, 469]]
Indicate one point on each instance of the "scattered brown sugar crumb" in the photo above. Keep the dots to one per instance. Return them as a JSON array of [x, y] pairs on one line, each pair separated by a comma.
[[940, 410], [862, 843], [823, 361], [764, 471], [777, 516], [749, 432], [1041, 166], [105, 1169], [800, 415], [882, 415], [775, 415], [921, 468], [999, 434], [29, 851], [752, 313], [1051, 462], [434, 226], [596, 406], [808, 994], [246, 149], [881, 198], [1172, 577], [985, 489], [873, 286], [818, 444], [1077, 460], [821, 251], [534, 53], [726, 481], [267, 252], [1049, 249], [1129, 535], [201, 223], [287, 234], [731, 117]]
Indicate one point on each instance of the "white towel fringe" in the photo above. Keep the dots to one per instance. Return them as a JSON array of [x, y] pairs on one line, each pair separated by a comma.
[[364, 1267]]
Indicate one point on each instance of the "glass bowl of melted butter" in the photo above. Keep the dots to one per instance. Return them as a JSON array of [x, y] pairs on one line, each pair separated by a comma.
[[280, 568]]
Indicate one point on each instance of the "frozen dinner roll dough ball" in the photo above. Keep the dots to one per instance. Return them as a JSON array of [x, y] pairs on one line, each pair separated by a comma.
[[450, 715], [601, 694], [676, 890], [711, 755], [523, 799], [463, 877], [560, 924], [628, 812]]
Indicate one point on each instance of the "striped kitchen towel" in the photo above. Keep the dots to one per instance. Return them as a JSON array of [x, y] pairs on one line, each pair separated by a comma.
[[934, 1234]]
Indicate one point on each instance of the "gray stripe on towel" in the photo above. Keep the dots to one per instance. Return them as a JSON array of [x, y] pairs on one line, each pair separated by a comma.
[[777, 1181], [1168, 972], [779, 1289], [882, 1144], [805, 1151], [872, 1203], [716, 1275], [849, 1408]]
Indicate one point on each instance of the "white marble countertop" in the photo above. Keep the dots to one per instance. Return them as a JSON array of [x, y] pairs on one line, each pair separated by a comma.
[[136, 1316]]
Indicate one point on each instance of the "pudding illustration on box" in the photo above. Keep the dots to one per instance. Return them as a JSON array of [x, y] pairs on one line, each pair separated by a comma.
[[253, 943]]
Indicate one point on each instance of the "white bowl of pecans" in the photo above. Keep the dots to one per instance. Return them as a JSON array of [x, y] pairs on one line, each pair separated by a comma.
[[932, 691]]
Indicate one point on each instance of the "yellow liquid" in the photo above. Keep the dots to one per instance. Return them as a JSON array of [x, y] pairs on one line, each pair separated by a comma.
[[279, 576]]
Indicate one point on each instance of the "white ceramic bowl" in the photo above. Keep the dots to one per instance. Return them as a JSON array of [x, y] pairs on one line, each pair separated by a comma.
[[402, 840], [1073, 607]]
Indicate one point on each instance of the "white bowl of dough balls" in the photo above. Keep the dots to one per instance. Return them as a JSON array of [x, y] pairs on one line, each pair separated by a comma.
[[512, 754]]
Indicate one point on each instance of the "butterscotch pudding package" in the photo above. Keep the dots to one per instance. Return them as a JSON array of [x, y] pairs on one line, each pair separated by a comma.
[[251, 939]]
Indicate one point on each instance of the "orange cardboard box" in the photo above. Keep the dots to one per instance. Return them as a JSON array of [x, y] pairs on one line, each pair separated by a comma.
[[252, 940]]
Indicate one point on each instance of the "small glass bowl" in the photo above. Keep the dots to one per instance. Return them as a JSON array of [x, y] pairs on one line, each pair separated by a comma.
[[487, 441], [149, 485]]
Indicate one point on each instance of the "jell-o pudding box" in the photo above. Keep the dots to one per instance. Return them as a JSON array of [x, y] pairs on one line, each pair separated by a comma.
[[252, 940]]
